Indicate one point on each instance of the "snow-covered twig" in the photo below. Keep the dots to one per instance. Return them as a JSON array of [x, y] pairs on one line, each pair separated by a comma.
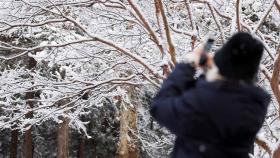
[[264, 16]]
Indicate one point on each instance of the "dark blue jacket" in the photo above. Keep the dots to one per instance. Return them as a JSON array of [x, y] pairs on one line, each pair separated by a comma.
[[218, 119]]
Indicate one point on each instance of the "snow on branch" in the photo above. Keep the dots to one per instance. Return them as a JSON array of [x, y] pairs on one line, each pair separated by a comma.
[[11, 25], [167, 32], [110, 43], [146, 25], [264, 15], [215, 17], [75, 97], [43, 45]]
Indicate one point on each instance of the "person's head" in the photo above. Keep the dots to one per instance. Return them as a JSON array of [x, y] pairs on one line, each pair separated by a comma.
[[240, 57]]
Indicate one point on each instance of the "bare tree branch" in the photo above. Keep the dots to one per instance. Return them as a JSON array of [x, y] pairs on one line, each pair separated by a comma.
[[238, 6], [264, 145], [10, 26], [275, 77], [167, 32], [146, 25]]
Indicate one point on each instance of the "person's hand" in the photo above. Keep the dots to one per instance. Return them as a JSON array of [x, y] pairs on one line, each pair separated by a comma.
[[209, 60], [194, 58]]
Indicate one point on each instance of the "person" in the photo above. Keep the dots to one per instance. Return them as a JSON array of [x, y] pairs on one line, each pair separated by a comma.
[[219, 115]]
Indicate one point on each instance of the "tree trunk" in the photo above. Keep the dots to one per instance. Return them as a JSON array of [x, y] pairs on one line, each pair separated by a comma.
[[93, 149], [62, 139], [276, 153], [14, 143], [127, 141], [28, 144], [81, 147], [63, 128], [126, 148], [28, 141]]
